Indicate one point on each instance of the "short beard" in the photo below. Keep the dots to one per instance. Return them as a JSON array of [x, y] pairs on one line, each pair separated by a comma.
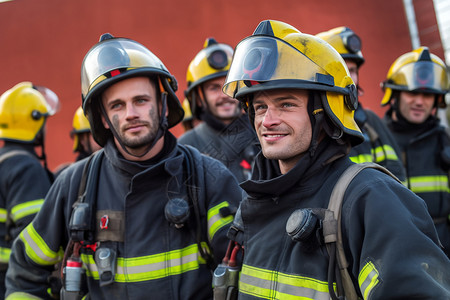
[[144, 141]]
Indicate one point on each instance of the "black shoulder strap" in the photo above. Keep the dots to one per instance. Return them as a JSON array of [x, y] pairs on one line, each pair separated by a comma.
[[332, 222], [81, 220]]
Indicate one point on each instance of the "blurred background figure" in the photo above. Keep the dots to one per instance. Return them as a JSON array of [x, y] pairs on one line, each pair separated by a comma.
[[225, 132], [24, 176], [83, 141], [379, 145], [414, 89], [189, 121]]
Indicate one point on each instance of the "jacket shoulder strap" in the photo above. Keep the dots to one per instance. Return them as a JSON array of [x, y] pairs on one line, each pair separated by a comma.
[[12, 153], [335, 205]]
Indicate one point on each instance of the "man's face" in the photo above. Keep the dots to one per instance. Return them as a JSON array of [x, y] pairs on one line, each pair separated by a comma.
[[131, 106], [283, 125], [220, 105], [353, 69], [87, 141], [416, 107]]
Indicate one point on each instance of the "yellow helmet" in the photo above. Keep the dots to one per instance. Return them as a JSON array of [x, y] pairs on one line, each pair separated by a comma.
[[346, 43], [279, 56], [112, 60], [80, 124], [23, 111], [187, 110], [211, 62], [417, 71]]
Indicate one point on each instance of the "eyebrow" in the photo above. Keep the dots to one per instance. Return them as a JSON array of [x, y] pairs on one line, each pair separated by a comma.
[[133, 98], [278, 99]]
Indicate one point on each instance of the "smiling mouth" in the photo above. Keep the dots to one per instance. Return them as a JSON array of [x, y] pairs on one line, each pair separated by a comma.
[[273, 135], [228, 103]]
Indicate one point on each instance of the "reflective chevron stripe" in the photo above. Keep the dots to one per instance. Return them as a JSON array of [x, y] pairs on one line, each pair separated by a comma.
[[269, 284], [37, 249], [25, 209], [215, 220], [368, 279], [150, 267], [429, 184]]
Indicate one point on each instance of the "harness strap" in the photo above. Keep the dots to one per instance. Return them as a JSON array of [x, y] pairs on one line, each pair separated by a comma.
[[334, 235]]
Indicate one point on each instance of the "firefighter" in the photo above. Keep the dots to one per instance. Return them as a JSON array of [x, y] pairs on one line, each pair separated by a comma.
[[146, 218], [225, 133], [188, 120], [301, 101], [414, 89], [83, 141], [24, 176], [379, 145]]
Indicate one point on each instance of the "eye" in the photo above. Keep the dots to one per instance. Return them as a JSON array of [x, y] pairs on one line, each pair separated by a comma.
[[287, 105], [213, 87], [115, 106], [259, 107], [141, 100]]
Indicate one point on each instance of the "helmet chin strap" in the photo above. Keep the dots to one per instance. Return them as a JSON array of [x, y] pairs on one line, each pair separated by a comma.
[[43, 156], [162, 128]]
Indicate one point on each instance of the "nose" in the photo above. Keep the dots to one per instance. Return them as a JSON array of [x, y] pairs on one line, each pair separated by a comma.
[[131, 112], [419, 99], [271, 118]]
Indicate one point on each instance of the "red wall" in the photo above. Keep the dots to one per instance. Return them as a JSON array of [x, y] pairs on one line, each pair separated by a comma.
[[45, 41]]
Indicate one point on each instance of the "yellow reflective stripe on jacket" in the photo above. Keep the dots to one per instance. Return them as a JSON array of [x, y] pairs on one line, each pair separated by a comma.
[[358, 159], [37, 250], [3, 214], [215, 220], [150, 267], [427, 184], [21, 296], [4, 255], [384, 152], [368, 279], [25, 209], [269, 284], [381, 153]]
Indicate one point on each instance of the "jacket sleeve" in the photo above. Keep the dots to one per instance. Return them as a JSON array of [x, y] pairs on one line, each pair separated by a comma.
[[40, 246], [388, 151], [393, 243], [28, 183], [223, 195]]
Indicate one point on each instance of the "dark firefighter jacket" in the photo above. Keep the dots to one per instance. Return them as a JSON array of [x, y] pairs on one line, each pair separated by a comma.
[[156, 260], [234, 145], [23, 185], [379, 145], [389, 238], [426, 153]]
